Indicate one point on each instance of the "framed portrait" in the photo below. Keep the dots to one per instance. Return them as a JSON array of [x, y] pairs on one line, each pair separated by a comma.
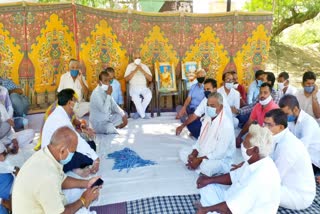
[[165, 77], [189, 70]]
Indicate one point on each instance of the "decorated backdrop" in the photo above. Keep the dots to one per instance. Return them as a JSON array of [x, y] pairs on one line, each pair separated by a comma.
[[38, 40]]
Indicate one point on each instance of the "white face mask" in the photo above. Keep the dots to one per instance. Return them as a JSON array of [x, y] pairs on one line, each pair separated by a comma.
[[245, 156], [137, 61], [229, 85], [104, 87], [266, 101], [281, 85]]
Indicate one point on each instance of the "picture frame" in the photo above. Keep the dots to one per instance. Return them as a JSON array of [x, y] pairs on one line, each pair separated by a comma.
[[189, 70], [165, 77]]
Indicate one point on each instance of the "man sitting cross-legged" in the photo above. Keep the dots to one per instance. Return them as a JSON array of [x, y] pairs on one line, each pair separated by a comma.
[[253, 188], [213, 151], [85, 155], [105, 114]]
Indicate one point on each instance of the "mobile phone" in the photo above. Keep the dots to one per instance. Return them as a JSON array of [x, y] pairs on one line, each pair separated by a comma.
[[98, 182]]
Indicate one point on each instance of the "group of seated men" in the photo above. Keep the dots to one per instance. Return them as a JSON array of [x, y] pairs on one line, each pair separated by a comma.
[[278, 141], [68, 151], [68, 148]]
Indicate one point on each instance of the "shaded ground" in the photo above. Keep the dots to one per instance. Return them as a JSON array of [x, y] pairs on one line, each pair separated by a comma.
[[295, 60]]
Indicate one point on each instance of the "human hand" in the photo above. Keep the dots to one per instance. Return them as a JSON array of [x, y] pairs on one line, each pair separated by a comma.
[[95, 166], [202, 181], [90, 132], [14, 147], [109, 91], [11, 122], [179, 130], [182, 112], [193, 163], [234, 110], [236, 166], [92, 180], [200, 209], [238, 142], [315, 91], [90, 195]]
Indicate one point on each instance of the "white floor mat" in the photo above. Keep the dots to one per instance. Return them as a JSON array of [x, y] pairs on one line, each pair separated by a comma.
[[154, 140]]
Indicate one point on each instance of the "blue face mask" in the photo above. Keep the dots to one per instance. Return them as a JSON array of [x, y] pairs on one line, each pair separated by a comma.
[[212, 112], [291, 118], [68, 158], [74, 73], [206, 93], [111, 81], [259, 83], [308, 89]]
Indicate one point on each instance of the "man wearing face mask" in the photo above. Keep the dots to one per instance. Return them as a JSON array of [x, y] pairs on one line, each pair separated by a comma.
[[240, 88], [212, 153], [304, 127], [105, 114], [309, 96], [137, 74], [193, 122], [116, 87], [75, 80], [253, 90], [252, 188], [38, 186], [284, 86], [230, 94], [85, 156], [194, 98], [265, 104], [293, 162]]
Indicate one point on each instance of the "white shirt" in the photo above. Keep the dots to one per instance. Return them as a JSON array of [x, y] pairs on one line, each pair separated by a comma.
[[233, 97], [66, 81], [255, 188], [4, 115], [306, 103], [217, 139], [138, 80], [308, 131], [57, 119], [294, 165], [102, 106], [202, 108]]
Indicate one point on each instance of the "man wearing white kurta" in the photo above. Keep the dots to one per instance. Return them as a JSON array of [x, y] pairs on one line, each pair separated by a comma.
[[303, 126], [75, 80], [212, 153], [8, 137], [252, 188], [105, 114], [298, 187], [137, 75], [284, 86], [61, 117], [230, 94]]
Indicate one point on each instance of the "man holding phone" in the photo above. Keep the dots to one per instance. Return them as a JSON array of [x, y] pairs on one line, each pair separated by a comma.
[[309, 97], [38, 186]]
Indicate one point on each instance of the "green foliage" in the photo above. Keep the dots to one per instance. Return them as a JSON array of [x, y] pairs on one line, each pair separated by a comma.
[[304, 34], [286, 12]]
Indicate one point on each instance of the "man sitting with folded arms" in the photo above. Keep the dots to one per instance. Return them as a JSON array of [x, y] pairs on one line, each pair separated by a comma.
[[39, 184], [85, 156], [212, 153], [252, 188], [194, 98], [105, 114], [298, 187]]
